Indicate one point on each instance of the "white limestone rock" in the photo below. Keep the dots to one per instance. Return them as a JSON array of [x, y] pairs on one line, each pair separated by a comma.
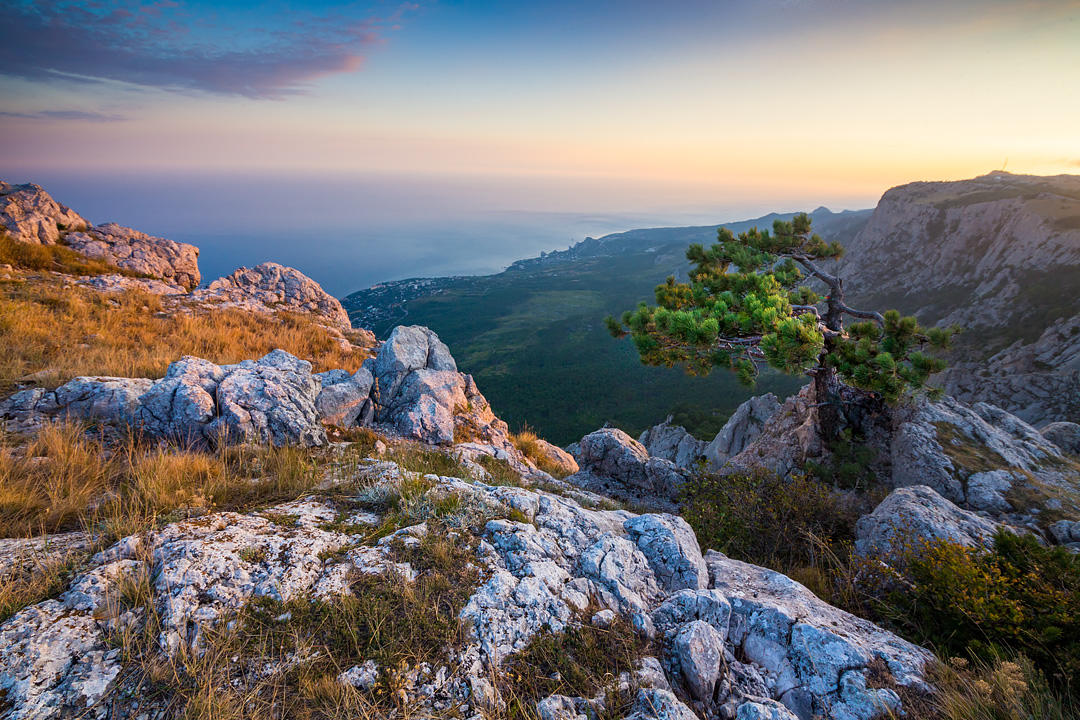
[[269, 287], [173, 262], [742, 428], [674, 443], [613, 463], [31, 215], [912, 516], [806, 644]]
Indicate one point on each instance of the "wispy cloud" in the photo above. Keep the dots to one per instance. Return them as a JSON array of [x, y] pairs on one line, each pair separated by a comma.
[[84, 115], [169, 45]]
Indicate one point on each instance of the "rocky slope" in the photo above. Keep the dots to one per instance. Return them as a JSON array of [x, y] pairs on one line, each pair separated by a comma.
[[157, 265], [999, 255], [729, 639]]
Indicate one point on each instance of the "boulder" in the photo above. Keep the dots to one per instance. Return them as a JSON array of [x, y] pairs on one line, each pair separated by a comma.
[[807, 648], [557, 457], [30, 214], [345, 400], [1066, 435], [417, 389], [656, 704], [699, 650], [764, 709], [270, 287], [912, 516], [669, 544], [173, 262], [743, 427], [674, 443], [270, 400], [614, 463]]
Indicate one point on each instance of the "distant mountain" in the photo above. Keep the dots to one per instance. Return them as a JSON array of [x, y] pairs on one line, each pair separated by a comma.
[[998, 254], [534, 335]]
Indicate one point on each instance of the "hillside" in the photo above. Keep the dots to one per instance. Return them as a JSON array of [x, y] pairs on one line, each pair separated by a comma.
[[999, 255], [534, 337]]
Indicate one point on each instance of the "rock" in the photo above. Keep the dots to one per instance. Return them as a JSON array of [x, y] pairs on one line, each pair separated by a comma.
[[614, 463], [939, 248], [408, 349], [418, 393], [557, 457], [764, 709], [699, 649], [361, 677], [560, 707], [685, 606], [978, 457], [785, 442], [1066, 435], [270, 400], [30, 214], [1065, 532], [912, 516], [674, 443], [176, 263], [270, 287], [124, 283], [423, 406], [345, 400], [743, 427], [541, 574], [987, 490], [669, 544], [656, 704], [804, 643]]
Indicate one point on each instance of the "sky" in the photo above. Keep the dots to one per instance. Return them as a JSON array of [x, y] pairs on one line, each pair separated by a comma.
[[205, 117]]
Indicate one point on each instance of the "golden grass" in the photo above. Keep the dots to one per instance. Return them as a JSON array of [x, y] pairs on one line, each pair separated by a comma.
[[50, 333], [56, 258], [64, 478], [528, 443]]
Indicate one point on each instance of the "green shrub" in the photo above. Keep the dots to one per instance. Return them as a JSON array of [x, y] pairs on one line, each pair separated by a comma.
[[770, 520], [850, 465], [1019, 598]]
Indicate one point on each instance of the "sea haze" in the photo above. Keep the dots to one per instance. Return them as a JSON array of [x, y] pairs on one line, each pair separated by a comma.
[[350, 233]]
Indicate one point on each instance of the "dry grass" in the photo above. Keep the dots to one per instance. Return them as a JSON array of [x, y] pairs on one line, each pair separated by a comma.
[[55, 258], [37, 579], [528, 443], [260, 666], [65, 478], [52, 333]]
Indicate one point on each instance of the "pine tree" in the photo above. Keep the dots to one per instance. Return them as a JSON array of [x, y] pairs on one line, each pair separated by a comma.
[[749, 304]]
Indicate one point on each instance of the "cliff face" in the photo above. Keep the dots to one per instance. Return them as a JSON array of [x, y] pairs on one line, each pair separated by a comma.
[[999, 255]]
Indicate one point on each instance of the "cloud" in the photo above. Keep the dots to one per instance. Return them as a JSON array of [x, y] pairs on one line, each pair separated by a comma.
[[168, 45], [84, 115]]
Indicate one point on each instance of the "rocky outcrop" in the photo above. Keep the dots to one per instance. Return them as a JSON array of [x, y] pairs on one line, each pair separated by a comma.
[[732, 639], [674, 443], [742, 428], [613, 463], [270, 400], [983, 458], [270, 287], [30, 214], [812, 657], [410, 389], [912, 517], [1066, 435], [173, 262], [999, 255]]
